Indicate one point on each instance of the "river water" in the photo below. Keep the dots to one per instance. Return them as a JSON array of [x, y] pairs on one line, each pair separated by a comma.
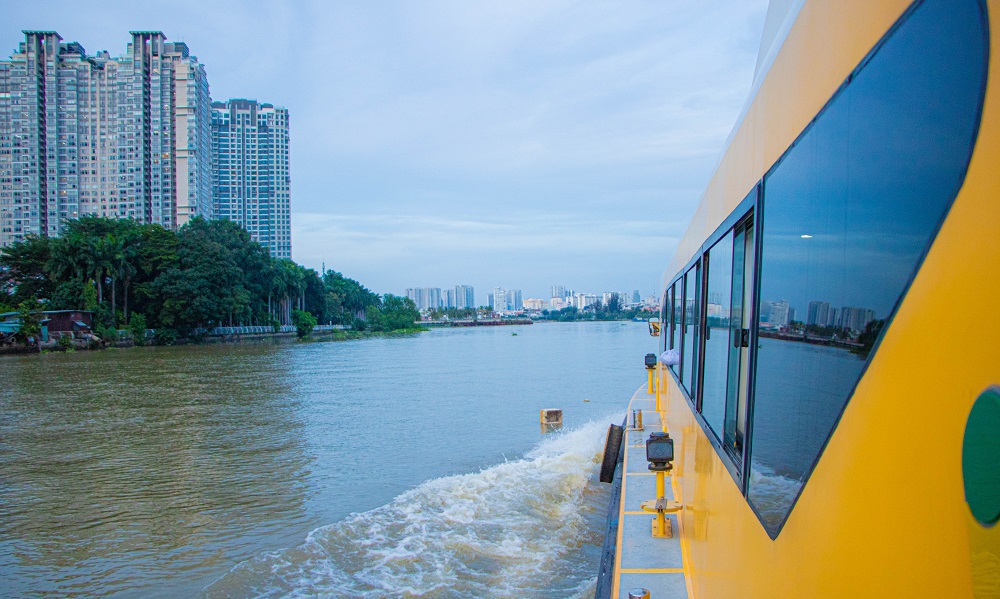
[[386, 467]]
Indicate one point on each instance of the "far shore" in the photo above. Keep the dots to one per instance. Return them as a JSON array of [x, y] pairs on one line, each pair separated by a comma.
[[52, 347]]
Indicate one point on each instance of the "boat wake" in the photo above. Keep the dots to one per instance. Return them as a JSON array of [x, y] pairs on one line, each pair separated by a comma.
[[772, 493], [532, 527]]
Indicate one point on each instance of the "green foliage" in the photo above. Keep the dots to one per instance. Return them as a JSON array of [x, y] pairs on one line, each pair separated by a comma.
[[346, 300], [23, 272], [103, 318], [109, 334], [207, 274], [394, 314], [137, 328], [68, 295], [567, 314], [31, 326], [275, 325], [304, 322], [869, 336], [65, 343], [571, 313], [614, 304], [453, 313], [89, 296], [359, 324], [164, 336]]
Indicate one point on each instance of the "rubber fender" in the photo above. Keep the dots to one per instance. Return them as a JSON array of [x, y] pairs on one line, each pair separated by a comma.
[[612, 445]]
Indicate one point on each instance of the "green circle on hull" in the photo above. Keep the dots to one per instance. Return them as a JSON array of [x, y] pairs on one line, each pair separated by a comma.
[[981, 458]]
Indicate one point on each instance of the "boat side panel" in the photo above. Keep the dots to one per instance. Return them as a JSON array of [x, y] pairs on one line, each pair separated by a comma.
[[884, 512]]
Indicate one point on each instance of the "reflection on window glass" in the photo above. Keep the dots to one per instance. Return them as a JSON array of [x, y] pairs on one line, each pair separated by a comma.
[[739, 352], [675, 329], [689, 357], [664, 327], [847, 216], [717, 335]]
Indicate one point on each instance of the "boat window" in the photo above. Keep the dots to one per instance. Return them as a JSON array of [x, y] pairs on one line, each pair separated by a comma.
[[718, 304], [675, 321], [689, 338], [664, 311], [848, 215], [737, 391]]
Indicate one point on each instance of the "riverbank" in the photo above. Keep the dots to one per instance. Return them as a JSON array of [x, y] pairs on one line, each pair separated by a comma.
[[249, 337]]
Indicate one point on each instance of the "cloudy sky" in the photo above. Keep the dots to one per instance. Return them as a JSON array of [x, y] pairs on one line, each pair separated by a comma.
[[515, 143]]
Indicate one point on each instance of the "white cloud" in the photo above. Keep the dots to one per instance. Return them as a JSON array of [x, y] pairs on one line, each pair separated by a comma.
[[440, 251], [508, 142]]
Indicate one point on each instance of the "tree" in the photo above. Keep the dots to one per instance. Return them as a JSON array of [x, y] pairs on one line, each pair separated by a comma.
[[614, 304], [869, 336], [137, 328], [353, 297], [398, 312], [68, 295], [304, 322], [206, 285], [23, 270], [31, 326], [208, 273]]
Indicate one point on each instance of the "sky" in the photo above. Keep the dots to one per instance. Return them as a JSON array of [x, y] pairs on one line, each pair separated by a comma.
[[519, 144]]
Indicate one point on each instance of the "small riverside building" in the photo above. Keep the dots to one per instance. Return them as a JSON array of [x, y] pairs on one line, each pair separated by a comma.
[[54, 323]]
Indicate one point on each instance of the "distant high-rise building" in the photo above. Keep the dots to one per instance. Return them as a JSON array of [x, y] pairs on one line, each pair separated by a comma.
[[532, 303], [583, 300], [426, 298], [122, 137], [818, 314], [448, 298], [855, 318], [636, 298], [779, 313], [508, 300], [514, 301], [559, 291], [499, 303], [250, 168], [465, 296]]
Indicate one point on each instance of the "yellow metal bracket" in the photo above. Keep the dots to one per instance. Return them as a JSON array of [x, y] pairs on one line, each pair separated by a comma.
[[661, 507]]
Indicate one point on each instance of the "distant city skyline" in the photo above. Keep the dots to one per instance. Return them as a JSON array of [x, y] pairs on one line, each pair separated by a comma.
[[512, 299], [426, 296]]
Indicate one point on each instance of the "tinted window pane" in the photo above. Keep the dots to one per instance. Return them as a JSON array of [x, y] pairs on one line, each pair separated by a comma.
[[690, 338], [717, 335], [739, 322], [675, 329], [664, 327], [847, 216]]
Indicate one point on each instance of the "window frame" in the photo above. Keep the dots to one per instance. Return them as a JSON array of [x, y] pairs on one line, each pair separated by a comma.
[[749, 205]]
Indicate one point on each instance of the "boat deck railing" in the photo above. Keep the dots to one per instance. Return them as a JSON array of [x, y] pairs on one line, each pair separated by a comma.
[[640, 560]]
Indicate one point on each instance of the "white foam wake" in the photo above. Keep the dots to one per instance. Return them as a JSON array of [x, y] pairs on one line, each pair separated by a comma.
[[526, 528]]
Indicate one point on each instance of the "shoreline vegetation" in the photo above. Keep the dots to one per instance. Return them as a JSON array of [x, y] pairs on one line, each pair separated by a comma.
[[163, 287]]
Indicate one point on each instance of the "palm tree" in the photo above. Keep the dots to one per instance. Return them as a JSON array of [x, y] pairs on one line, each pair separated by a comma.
[[123, 251]]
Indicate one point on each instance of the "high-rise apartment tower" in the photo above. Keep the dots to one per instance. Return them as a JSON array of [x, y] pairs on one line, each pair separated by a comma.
[[121, 137], [250, 167]]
